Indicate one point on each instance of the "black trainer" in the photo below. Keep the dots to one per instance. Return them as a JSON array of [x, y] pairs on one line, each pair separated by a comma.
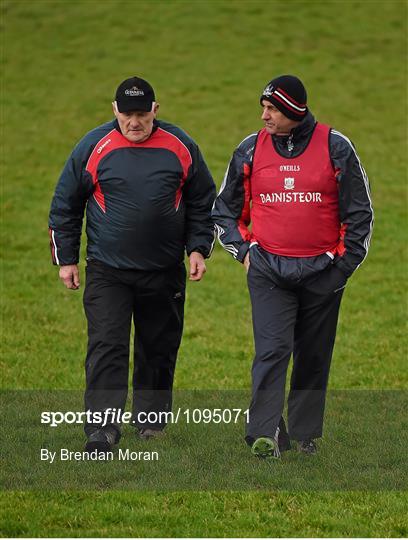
[[283, 437], [101, 440], [308, 447], [148, 433]]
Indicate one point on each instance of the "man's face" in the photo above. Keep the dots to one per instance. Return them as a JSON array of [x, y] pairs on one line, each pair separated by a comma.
[[276, 123], [136, 126]]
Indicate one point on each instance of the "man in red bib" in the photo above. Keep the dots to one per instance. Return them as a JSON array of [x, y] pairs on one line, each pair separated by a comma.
[[302, 188]]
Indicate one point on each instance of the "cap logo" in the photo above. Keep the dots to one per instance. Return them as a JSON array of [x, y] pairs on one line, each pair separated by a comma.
[[268, 90], [134, 92]]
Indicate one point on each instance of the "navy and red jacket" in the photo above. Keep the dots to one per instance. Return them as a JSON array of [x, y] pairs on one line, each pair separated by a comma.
[[146, 203], [232, 208]]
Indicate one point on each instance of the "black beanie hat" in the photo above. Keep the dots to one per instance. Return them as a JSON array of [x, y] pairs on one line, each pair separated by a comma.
[[288, 95]]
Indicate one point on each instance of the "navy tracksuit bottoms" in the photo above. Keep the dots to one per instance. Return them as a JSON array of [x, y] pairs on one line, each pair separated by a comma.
[[294, 314], [155, 300]]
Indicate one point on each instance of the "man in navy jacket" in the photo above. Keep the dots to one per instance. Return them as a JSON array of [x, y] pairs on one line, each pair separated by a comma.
[[148, 195]]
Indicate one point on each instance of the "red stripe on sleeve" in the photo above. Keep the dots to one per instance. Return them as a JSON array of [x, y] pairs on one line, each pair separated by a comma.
[[341, 248], [52, 247], [245, 218]]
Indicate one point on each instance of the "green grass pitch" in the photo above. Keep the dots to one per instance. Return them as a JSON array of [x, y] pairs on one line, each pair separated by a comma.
[[208, 61]]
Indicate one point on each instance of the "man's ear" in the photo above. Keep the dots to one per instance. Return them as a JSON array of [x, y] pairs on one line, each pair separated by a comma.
[[115, 108], [156, 108]]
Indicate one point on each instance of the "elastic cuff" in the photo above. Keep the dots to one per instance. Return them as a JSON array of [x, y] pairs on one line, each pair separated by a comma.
[[200, 250], [60, 263], [243, 250]]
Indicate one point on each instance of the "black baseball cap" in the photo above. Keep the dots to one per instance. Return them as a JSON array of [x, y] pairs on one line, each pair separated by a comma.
[[134, 94]]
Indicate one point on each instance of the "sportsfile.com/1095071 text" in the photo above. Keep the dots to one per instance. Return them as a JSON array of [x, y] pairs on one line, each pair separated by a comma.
[[117, 416]]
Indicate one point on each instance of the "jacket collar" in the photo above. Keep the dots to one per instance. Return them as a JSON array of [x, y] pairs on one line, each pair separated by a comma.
[[298, 138], [305, 128]]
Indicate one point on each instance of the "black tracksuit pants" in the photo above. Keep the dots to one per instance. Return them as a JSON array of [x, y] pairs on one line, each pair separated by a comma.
[[295, 314], [155, 299]]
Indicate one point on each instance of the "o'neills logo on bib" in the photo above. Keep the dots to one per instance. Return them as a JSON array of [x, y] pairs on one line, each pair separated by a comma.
[[291, 197], [289, 168]]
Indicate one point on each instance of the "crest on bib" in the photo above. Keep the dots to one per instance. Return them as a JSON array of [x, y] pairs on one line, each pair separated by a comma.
[[289, 183]]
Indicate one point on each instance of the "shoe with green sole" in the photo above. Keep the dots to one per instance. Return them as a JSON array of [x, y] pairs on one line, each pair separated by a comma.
[[266, 448]]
